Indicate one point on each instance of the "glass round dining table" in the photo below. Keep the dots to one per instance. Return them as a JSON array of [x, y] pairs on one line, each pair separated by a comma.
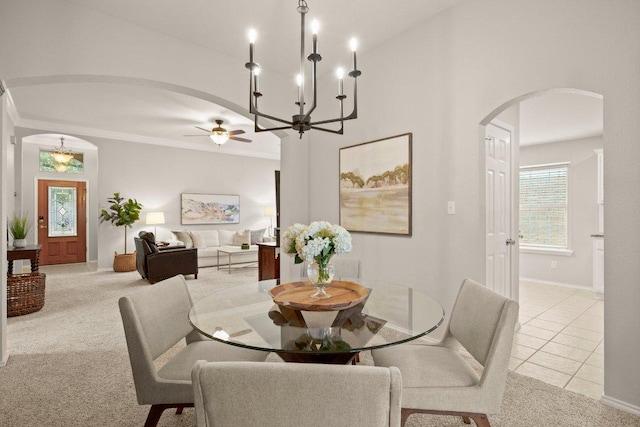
[[247, 316]]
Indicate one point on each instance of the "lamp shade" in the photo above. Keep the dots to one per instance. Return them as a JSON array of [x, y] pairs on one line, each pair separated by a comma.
[[154, 218], [269, 211]]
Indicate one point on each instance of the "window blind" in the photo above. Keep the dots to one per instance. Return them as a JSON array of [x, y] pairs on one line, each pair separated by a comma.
[[543, 205]]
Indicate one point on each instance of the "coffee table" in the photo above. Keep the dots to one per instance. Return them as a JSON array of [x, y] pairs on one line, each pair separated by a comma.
[[230, 252]]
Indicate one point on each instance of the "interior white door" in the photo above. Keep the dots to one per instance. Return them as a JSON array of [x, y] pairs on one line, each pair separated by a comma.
[[498, 201]]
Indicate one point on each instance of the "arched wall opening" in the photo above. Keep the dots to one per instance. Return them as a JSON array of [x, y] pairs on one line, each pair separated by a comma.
[[29, 174], [583, 157], [103, 143]]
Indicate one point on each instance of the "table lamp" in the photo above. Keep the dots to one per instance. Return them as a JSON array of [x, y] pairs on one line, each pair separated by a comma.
[[155, 218], [270, 211]]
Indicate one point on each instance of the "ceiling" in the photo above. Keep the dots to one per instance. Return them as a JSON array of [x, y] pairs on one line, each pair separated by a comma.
[[37, 39], [555, 117], [216, 27]]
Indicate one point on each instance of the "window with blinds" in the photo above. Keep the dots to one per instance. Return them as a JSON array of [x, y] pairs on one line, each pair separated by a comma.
[[543, 205]]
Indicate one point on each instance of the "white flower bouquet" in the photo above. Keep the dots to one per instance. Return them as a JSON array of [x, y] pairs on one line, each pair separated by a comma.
[[316, 242]]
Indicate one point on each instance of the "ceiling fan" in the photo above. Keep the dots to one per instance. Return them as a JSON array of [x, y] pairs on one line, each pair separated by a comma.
[[220, 135]]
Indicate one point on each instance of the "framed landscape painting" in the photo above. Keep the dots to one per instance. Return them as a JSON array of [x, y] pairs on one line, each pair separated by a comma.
[[375, 186], [210, 208]]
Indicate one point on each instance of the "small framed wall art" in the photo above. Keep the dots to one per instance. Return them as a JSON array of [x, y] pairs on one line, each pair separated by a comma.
[[375, 186], [210, 208]]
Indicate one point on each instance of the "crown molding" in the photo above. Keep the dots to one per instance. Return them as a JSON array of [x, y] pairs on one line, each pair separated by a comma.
[[140, 139], [12, 111]]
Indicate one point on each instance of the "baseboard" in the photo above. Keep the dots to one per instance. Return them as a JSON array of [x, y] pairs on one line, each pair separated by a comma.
[[4, 360], [564, 285], [619, 404]]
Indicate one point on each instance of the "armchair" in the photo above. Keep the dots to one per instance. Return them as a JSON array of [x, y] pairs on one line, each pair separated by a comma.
[[155, 264]]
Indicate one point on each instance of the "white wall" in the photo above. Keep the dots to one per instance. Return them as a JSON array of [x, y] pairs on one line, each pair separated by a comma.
[[582, 214], [156, 176], [440, 80]]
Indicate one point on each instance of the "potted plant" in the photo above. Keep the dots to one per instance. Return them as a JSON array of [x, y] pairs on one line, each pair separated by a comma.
[[122, 213], [19, 228]]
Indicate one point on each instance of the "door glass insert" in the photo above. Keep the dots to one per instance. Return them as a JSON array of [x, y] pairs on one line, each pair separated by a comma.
[[62, 212]]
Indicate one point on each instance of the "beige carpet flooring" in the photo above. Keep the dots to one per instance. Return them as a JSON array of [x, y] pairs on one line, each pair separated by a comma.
[[68, 365]]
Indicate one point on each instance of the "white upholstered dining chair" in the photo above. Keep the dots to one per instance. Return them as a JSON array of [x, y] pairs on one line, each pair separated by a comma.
[[438, 380], [155, 319], [295, 395]]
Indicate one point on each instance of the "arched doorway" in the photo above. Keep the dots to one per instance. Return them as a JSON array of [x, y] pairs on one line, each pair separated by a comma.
[[561, 336], [60, 198]]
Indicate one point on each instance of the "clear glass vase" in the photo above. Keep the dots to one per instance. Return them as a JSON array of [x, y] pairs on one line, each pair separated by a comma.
[[320, 276]]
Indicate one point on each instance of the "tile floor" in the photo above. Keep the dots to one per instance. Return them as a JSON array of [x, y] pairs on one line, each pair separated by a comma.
[[561, 337]]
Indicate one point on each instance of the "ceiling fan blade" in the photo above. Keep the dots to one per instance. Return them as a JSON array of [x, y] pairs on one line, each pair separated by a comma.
[[195, 135], [236, 132], [235, 138], [206, 130]]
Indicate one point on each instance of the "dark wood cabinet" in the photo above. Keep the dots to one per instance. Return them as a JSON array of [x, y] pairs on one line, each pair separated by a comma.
[[268, 261]]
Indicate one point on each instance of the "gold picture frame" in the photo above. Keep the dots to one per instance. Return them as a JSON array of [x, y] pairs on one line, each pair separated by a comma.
[[375, 186]]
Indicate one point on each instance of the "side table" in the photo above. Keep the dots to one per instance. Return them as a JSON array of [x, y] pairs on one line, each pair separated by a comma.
[[25, 292], [30, 252]]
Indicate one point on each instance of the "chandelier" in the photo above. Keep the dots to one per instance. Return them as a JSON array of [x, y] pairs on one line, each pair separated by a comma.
[[302, 122], [60, 154]]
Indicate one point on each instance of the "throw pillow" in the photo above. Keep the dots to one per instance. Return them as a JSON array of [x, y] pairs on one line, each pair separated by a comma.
[[239, 238], [210, 238], [257, 236], [198, 240], [184, 237], [225, 237]]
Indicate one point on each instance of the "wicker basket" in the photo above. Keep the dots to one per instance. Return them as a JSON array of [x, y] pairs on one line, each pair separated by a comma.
[[25, 293], [124, 262]]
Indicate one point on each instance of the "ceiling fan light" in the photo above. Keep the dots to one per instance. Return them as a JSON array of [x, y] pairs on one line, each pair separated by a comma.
[[219, 137]]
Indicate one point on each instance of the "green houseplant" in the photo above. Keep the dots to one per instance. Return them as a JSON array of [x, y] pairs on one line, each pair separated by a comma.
[[122, 213], [19, 228]]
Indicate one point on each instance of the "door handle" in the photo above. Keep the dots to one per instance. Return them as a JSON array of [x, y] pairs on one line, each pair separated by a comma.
[[41, 222], [510, 242]]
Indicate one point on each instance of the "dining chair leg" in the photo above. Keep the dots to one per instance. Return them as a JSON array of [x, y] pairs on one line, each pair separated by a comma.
[[404, 415], [156, 412], [154, 415], [480, 420]]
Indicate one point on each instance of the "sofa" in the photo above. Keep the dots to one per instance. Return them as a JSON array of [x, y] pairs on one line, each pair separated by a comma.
[[207, 242]]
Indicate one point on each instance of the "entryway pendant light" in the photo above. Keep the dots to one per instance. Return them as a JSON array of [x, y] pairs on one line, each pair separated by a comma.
[[60, 154], [302, 122]]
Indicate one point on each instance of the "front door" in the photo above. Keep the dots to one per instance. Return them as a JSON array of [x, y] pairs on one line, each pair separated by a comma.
[[62, 219], [498, 201]]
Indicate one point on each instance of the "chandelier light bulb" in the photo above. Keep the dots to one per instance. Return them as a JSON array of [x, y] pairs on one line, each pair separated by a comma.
[[299, 79], [315, 26], [256, 71], [353, 44], [340, 74], [253, 35]]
